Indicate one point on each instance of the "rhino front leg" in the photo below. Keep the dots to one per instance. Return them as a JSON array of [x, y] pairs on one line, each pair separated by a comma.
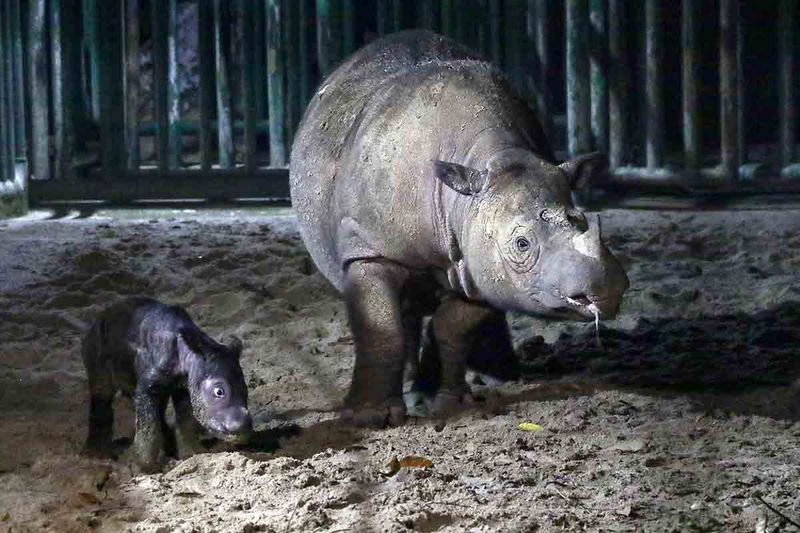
[[372, 294], [455, 326]]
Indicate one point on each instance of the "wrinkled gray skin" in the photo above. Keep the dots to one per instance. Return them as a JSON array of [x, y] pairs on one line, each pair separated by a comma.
[[423, 185], [154, 352]]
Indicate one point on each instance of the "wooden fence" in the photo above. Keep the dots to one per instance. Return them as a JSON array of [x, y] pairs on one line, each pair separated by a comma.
[[144, 99]]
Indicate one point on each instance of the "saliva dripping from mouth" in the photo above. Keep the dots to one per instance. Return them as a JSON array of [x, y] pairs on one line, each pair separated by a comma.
[[592, 308]]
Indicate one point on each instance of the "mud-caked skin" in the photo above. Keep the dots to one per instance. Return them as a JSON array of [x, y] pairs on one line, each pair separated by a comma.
[[425, 187], [154, 352]]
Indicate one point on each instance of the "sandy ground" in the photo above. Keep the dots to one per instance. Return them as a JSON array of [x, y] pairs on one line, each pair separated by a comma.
[[686, 421]]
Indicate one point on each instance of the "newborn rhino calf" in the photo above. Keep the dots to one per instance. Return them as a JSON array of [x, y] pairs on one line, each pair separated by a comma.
[[154, 352]]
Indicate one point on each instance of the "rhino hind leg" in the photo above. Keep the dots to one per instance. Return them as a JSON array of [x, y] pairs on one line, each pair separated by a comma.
[[372, 292]]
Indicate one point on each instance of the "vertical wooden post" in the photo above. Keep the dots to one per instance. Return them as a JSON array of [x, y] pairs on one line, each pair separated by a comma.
[[428, 14], [598, 43], [275, 79], [691, 126], [19, 103], [90, 30], [110, 87], [448, 28], [250, 109], [305, 52], [383, 19], [65, 57], [786, 88], [578, 125], [729, 134], [514, 42], [541, 23], [40, 110], [292, 27], [160, 38], [132, 35], [654, 119], [259, 49], [618, 68], [205, 23], [6, 137], [496, 31], [328, 34], [348, 27], [222, 53], [173, 89]]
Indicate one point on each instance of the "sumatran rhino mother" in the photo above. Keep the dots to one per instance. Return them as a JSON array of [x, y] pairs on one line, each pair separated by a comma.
[[423, 185]]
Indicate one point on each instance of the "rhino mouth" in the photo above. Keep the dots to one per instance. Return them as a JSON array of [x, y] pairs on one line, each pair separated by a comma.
[[583, 305]]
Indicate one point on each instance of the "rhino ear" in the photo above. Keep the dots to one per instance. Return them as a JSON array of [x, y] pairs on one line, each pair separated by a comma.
[[463, 180], [191, 339], [585, 169]]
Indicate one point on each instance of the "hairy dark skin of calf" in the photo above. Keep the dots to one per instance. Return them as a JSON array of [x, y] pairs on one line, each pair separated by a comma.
[[155, 353]]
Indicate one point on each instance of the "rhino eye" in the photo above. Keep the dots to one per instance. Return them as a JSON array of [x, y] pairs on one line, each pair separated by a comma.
[[219, 392], [522, 244]]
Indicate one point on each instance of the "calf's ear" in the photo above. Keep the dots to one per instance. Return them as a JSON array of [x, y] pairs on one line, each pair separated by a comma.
[[234, 344], [585, 169], [193, 340], [463, 180]]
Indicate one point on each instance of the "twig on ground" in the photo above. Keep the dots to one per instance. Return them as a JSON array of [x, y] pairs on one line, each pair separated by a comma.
[[289, 520], [777, 512]]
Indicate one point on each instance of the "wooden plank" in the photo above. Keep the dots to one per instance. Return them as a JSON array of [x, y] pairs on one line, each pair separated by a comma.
[[383, 17], [348, 26], [578, 125], [786, 81], [130, 186], [65, 85], [654, 118], [40, 108], [728, 73], [514, 42], [90, 45], [598, 72], [540, 11], [618, 90], [691, 116], [221, 54], [205, 23], [6, 136], [19, 104], [132, 36], [275, 81], [496, 31], [174, 143], [428, 14], [329, 35], [250, 109]]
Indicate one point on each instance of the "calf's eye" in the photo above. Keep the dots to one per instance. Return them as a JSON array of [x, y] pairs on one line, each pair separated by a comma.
[[219, 392]]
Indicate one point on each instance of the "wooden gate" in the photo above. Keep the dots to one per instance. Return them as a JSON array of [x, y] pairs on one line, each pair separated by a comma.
[[164, 99]]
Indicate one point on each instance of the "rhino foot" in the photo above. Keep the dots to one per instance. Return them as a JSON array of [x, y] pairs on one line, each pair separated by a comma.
[[390, 413], [448, 403]]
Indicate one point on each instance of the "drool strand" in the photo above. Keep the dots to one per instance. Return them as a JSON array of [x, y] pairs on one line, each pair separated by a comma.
[[593, 308]]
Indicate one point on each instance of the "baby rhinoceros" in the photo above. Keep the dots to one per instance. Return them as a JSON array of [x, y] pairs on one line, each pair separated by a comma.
[[154, 352]]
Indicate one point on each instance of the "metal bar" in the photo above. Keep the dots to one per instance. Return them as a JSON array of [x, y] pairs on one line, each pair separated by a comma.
[[259, 47], [305, 52], [205, 23], [514, 42], [160, 38], [291, 28], [130, 186], [221, 53], [578, 126], [598, 67], [173, 88], [383, 19], [275, 81], [397, 15], [65, 85], [90, 33], [57, 86], [39, 102], [446, 17], [110, 87], [618, 69], [250, 110], [132, 35], [496, 31], [691, 118], [729, 127], [654, 117], [786, 84]]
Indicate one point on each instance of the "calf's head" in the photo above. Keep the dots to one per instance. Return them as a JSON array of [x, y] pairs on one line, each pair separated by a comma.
[[216, 384], [524, 245]]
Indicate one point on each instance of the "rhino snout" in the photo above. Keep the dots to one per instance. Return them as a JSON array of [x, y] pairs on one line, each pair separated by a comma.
[[234, 422]]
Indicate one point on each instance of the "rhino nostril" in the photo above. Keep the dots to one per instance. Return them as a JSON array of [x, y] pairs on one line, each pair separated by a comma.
[[580, 299]]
